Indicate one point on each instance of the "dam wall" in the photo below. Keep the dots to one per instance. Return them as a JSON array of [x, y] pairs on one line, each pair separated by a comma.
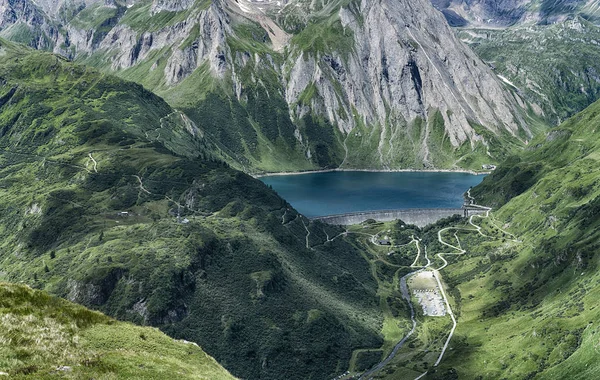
[[419, 217]]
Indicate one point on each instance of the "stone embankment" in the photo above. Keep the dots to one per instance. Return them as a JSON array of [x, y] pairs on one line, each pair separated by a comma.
[[419, 217]]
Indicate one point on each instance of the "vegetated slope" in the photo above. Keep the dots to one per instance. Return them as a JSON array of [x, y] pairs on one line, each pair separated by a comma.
[[555, 67], [528, 303], [502, 13], [44, 337], [301, 85], [109, 200]]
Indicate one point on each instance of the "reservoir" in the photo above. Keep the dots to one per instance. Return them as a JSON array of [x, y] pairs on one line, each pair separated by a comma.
[[330, 193]]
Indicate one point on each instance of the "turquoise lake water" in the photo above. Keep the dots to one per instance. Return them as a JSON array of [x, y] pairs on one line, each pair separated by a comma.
[[319, 194]]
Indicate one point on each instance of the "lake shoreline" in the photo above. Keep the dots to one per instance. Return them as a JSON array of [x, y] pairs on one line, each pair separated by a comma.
[[472, 172]]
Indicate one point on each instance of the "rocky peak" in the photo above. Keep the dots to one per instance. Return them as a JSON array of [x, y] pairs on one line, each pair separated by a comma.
[[405, 62], [213, 26], [171, 5], [502, 13]]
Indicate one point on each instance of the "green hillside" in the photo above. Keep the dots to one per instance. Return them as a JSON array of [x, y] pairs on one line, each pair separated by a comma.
[[528, 307], [109, 199], [121, 200], [521, 281], [44, 337]]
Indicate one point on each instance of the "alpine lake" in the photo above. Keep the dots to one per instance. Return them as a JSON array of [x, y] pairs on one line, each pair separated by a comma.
[[340, 192]]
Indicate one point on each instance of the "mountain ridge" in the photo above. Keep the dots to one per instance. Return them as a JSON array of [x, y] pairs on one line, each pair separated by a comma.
[[331, 107], [553, 66], [505, 13]]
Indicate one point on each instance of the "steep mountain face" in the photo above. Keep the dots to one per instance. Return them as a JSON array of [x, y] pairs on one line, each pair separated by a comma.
[[502, 13], [44, 337], [23, 21], [300, 85], [112, 199], [402, 67]]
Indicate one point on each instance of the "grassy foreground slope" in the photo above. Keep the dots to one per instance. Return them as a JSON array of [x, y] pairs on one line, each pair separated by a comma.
[[109, 199], [527, 303], [44, 337]]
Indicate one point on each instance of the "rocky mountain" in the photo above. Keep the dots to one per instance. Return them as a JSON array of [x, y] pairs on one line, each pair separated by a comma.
[[111, 199], [44, 337], [405, 78], [555, 67], [543, 50], [502, 13], [299, 85]]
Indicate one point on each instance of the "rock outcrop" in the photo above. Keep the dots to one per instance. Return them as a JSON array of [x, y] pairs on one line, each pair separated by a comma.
[[210, 46]]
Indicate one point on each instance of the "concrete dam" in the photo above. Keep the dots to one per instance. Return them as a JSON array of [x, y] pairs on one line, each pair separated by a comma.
[[418, 216]]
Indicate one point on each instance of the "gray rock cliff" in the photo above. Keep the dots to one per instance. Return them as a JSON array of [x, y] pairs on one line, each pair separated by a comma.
[[405, 63]]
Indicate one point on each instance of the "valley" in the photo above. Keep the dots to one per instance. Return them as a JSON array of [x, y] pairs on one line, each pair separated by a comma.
[[419, 284], [153, 223]]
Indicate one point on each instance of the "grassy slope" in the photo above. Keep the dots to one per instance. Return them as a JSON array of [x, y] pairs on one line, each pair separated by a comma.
[[525, 292], [41, 334], [77, 148], [529, 308]]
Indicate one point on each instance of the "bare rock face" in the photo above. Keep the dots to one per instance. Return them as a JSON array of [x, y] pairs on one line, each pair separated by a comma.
[[171, 5], [52, 8], [128, 47], [405, 63], [213, 27], [24, 13]]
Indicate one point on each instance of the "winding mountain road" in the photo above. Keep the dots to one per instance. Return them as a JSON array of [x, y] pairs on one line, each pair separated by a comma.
[[457, 250], [93, 162], [437, 278]]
